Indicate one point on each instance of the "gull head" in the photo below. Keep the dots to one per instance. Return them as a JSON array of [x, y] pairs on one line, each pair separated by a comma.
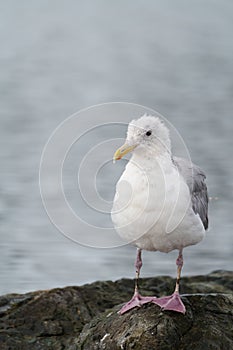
[[146, 136]]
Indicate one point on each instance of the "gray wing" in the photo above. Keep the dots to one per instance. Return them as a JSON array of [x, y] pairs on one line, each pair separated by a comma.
[[195, 179]]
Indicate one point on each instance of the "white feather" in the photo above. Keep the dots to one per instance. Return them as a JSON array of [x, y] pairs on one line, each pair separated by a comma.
[[152, 205]]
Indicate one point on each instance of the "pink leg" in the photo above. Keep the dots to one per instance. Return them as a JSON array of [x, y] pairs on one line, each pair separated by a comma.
[[173, 302], [137, 299]]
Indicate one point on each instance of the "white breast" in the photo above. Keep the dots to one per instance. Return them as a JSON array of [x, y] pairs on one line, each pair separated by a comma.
[[152, 208]]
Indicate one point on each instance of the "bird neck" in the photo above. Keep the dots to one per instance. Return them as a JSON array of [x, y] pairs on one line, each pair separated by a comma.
[[150, 159]]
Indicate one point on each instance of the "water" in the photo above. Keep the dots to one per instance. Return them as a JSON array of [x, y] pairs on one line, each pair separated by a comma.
[[57, 58]]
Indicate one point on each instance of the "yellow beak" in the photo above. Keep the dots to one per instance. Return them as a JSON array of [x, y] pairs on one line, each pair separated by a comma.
[[122, 151]]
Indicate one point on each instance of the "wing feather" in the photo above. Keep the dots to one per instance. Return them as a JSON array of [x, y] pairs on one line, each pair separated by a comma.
[[195, 179]]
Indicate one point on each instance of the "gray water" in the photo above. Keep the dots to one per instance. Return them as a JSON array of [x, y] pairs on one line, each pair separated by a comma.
[[58, 57]]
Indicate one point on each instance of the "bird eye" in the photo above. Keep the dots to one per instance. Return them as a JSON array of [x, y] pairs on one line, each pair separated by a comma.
[[148, 133]]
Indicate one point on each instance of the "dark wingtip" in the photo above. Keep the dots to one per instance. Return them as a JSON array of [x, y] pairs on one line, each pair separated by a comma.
[[206, 223]]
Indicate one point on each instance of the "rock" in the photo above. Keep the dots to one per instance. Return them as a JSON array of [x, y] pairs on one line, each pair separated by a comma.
[[86, 317], [207, 324]]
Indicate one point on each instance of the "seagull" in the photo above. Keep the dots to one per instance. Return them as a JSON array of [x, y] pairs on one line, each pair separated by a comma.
[[160, 204]]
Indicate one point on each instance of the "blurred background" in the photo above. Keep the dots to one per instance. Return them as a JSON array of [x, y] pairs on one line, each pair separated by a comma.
[[58, 57]]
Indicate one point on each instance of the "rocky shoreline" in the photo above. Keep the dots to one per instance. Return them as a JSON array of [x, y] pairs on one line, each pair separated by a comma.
[[86, 317]]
